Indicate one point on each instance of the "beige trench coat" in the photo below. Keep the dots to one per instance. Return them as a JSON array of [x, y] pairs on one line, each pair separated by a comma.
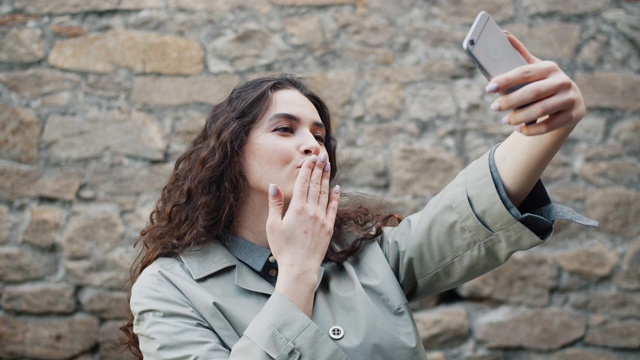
[[206, 304]]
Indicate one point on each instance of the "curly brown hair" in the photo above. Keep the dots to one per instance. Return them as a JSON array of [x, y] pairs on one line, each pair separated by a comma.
[[210, 173]]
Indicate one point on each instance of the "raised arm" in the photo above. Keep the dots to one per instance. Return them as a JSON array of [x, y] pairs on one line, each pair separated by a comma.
[[551, 97]]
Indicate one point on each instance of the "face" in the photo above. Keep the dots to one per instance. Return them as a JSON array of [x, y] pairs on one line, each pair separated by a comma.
[[288, 132]]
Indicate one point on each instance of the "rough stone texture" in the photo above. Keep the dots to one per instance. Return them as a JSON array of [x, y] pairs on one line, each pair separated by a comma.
[[145, 53], [19, 134], [44, 226], [21, 45], [442, 327], [79, 6], [411, 161], [50, 338], [34, 83], [592, 262], [512, 329], [104, 304], [618, 334], [20, 264], [39, 299], [615, 90], [629, 276], [566, 7], [108, 339], [129, 133], [617, 209], [6, 220], [524, 279], [178, 91], [99, 97]]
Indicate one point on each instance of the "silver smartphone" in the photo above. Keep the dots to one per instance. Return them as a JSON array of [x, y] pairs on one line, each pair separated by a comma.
[[490, 49]]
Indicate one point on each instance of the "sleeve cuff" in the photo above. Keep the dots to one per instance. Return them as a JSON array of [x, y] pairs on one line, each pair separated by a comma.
[[537, 212]]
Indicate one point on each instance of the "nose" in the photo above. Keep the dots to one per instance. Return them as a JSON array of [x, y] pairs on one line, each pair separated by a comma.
[[310, 145]]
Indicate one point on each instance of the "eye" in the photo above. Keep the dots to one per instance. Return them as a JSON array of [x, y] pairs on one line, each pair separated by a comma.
[[284, 129], [320, 138]]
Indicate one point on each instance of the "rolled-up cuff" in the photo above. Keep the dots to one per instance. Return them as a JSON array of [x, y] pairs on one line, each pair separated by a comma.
[[537, 212]]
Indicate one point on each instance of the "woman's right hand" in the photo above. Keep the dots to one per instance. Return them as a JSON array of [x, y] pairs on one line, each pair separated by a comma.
[[299, 237]]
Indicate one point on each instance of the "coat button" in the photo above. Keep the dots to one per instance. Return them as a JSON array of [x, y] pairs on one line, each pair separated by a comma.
[[336, 332]]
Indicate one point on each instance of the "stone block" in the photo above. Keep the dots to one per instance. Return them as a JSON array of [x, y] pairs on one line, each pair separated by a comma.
[[92, 232], [465, 11], [107, 180], [621, 172], [61, 184], [626, 134], [6, 222], [19, 134], [44, 226], [593, 262], [430, 101], [617, 209], [612, 90], [385, 101], [21, 264], [363, 167], [17, 182], [316, 2], [110, 348], [79, 6], [48, 338], [165, 91], [305, 30], [141, 52], [42, 298], [623, 334], [21, 45], [629, 276], [442, 327], [549, 40], [566, 7], [411, 163], [336, 88], [104, 304], [619, 304], [524, 279], [248, 47], [33, 83], [131, 133], [544, 329]]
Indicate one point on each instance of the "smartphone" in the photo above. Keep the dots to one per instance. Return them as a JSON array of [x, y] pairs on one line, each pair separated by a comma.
[[490, 49]]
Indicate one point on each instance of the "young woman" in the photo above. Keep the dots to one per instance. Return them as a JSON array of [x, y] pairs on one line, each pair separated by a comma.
[[249, 255]]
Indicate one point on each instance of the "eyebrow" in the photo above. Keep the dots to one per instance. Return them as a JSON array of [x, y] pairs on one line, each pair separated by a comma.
[[295, 118]]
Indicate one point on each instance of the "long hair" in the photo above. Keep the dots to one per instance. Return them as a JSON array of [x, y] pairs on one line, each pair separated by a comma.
[[202, 198]]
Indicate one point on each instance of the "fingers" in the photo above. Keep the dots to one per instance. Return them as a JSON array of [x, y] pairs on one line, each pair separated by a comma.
[[276, 206], [318, 188], [332, 207], [302, 184], [521, 48], [541, 106]]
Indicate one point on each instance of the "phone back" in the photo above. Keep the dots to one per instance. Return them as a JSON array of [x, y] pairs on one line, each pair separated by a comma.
[[490, 49]]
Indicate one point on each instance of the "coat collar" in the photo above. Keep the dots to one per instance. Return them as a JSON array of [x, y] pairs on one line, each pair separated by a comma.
[[211, 257]]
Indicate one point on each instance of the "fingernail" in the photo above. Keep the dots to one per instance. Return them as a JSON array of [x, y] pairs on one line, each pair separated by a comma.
[[273, 189], [518, 128], [324, 157], [336, 190], [327, 167], [491, 88], [495, 106], [505, 119], [313, 158]]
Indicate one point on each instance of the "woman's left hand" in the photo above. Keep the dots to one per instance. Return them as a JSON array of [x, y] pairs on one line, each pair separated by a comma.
[[549, 96]]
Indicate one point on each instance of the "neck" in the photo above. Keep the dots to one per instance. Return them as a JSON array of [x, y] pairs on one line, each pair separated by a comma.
[[252, 219]]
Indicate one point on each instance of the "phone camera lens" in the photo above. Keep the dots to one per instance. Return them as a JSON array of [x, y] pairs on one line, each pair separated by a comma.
[[472, 42]]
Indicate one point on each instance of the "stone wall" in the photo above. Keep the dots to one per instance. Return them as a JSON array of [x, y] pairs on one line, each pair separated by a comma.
[[98, 97]]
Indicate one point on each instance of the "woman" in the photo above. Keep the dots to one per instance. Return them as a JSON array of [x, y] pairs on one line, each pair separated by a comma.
[[248, 255]]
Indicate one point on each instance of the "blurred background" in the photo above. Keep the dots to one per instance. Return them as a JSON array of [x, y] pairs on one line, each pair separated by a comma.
[[98, 98]]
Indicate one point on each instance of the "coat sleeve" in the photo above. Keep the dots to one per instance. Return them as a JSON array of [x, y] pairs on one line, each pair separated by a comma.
[[462, 233], [169, 326]]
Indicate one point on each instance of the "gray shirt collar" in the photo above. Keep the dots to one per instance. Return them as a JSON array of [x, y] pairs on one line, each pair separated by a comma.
[[249, 253]]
